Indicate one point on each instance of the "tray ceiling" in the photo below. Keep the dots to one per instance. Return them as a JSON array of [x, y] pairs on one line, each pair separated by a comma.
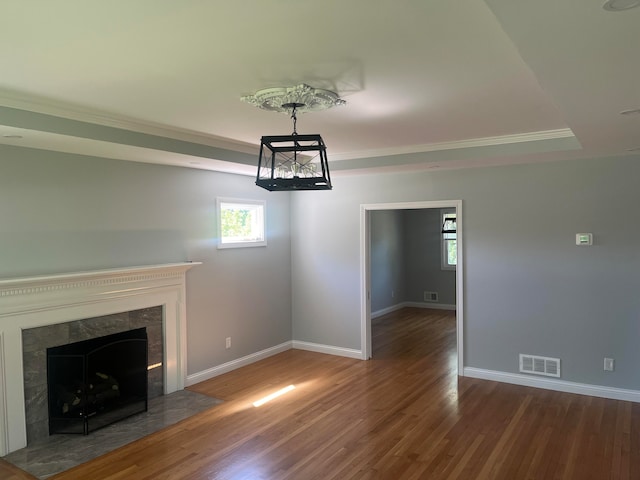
[[428, 84]]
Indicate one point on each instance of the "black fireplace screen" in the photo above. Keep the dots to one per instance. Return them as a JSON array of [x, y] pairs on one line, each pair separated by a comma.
[[96, 382]]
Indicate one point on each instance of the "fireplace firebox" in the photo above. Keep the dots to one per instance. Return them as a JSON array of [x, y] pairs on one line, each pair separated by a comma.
[[96, 382]]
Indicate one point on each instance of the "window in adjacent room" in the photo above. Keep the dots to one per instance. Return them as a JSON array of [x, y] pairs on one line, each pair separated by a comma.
[[241, 223], [449, 241]]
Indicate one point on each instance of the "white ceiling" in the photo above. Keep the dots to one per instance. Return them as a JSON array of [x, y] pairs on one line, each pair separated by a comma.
[[428, 83]]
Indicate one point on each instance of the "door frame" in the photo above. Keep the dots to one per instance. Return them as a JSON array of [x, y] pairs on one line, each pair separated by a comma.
[[365, 270]]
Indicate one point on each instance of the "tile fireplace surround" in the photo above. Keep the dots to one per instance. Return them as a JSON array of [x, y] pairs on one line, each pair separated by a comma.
[[55, 299]]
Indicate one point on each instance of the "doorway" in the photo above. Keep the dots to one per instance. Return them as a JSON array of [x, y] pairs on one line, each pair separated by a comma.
[[365, 263]]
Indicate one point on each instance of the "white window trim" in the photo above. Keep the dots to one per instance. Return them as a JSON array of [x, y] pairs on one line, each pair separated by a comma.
[[241, 201], [444, 265]]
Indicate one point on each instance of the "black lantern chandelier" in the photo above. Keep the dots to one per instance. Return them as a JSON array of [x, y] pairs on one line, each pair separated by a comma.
[[293, 162], [296, 161]]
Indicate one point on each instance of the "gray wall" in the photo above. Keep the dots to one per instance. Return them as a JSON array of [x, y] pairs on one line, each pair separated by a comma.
[[406, 258], [423, 262], [63, 213], [387, 259], [528, 287]]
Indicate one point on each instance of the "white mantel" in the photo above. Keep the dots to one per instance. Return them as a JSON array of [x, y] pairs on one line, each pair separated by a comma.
[[48, 300]]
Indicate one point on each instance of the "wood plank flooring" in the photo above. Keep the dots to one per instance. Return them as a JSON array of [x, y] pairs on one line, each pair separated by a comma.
[[402, 415]]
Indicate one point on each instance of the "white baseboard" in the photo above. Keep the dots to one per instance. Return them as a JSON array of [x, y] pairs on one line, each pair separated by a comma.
[[384, 311], [435, 306], [398, 306], [234, 364], [552, 384], [331, 350]]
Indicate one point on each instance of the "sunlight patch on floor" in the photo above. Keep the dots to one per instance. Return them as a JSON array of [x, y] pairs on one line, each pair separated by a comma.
[[270, 397]]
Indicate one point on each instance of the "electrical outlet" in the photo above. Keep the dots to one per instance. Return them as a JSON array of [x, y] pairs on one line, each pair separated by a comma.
[[608, 364], [228, 342]]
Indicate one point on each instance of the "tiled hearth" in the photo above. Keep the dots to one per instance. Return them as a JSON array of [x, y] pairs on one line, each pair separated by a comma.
[[62, 452], [44, 301]]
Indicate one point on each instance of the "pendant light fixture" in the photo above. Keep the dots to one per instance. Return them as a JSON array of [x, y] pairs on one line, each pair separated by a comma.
[[296, 161]]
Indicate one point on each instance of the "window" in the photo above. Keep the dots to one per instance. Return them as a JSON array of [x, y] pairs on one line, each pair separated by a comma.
[[449, 241], [241, 223]]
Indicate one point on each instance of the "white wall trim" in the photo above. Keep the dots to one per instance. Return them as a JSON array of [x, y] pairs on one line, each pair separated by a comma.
[[4, 415], [435, 306], [266, 353], [552, 384], [328, 349], [235, 364], [32, 103], [365, 270], [470, 143], [47, 106], [401, 305], [384, 311]]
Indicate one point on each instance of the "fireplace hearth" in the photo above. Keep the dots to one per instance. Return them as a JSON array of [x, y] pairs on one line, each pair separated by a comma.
[[96, 382]]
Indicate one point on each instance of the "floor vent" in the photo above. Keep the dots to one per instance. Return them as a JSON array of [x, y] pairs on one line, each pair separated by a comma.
[[430, 296], [540, 365]]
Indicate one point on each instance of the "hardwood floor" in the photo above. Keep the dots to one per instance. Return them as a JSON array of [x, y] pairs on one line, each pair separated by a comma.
[[403, 415]]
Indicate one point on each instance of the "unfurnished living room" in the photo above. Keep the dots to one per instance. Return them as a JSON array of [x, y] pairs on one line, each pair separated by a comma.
[[319, 240]]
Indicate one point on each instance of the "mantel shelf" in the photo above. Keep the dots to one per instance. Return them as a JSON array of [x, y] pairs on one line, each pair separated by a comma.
[[94, 274]]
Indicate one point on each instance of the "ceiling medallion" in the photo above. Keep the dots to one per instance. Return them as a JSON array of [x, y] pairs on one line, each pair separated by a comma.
[[620, 5], [280, 99]]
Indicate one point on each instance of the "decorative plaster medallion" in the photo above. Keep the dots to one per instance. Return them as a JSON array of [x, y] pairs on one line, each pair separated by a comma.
[[311, 99]]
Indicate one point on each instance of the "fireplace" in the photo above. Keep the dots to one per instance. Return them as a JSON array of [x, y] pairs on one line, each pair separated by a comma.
[[65, 299], [96, 382], [36, 342]]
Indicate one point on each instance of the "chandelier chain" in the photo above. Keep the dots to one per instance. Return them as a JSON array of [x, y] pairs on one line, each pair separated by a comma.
[[294, 118]]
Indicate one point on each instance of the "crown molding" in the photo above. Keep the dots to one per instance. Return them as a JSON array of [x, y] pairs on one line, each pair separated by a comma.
[[460, 144], [47, 106], [70, 111]]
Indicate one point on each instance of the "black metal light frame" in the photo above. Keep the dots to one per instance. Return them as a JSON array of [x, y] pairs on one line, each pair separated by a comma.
[[279, 150], [293, 162]]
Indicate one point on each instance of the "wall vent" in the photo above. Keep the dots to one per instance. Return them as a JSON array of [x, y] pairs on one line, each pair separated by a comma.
[[430, 296], [540, 365]]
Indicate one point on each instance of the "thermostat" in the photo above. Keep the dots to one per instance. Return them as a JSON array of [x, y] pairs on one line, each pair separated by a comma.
[[584, 239]]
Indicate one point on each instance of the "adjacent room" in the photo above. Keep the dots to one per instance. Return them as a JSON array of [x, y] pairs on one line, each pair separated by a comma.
[[275, 240]]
